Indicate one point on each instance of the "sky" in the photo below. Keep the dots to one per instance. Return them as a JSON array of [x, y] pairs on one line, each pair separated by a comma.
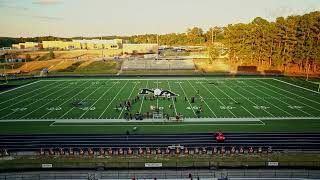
[[70, 18]]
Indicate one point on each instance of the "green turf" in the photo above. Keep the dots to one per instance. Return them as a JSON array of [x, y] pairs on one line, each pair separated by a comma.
[[229, 104]]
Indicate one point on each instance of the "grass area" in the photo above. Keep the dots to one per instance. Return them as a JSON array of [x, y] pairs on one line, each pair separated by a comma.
[[99, 67], [10, 66], [6, 85], [172, 53], [71, 68], [95, 67], [226, 104], [248, 160], [302, 125]]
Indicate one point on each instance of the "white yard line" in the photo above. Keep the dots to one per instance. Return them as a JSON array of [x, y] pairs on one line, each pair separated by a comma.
[[289, 96], [143, 99], [31, 96], [112, 100], [279, 100], [266, 101], [163, 125], [65, 101], [294, 93], [27, 93], [157, 97], [233, 99], [297, 86], [152, 120], [98, 99], [27, 99], [203, 100], [251, 102], [187, 98], [80, 102], [146, 79], [217, 99], [128, 98], [18, 87], [174, 104], [47, 102]]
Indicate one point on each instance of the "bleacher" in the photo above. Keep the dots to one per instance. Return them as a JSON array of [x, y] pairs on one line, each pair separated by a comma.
[[151, 64]]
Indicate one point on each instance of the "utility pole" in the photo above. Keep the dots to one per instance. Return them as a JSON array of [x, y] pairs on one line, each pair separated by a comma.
[[26, 63], [102, 48], [158, 39], [12, 61], [4, 67], [215, 36], [158, 46], [308, 72], [211, 35]]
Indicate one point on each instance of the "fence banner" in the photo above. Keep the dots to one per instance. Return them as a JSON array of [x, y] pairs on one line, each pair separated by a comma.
[[152, 164], [273, 163]]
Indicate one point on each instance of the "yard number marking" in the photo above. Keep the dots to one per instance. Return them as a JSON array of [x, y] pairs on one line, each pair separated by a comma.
[[227, 107]]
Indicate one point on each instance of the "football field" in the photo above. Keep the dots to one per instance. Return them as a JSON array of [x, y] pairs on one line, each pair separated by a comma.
[[116, 103]]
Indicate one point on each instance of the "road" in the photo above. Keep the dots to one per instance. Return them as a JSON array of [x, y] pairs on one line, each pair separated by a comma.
[[278, 141]]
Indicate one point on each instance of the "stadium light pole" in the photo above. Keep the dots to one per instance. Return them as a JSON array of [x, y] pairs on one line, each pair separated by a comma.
[[5, 73], [102, 48], [215, 36]]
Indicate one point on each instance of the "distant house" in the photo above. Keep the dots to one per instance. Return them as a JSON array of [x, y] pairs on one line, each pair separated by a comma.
[[100, 44], [61, 45], [27, 45]]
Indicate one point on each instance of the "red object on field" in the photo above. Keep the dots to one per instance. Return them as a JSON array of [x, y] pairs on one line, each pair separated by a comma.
[[219, 136]]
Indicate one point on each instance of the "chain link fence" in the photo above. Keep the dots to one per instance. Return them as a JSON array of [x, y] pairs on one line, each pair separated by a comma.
[[164, 174]]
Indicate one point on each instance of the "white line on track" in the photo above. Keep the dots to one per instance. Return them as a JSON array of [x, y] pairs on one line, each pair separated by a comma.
[[112, 100]]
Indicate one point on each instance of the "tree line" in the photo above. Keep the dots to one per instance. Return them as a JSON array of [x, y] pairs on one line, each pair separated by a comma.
[[294, 40], [193, 36]]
